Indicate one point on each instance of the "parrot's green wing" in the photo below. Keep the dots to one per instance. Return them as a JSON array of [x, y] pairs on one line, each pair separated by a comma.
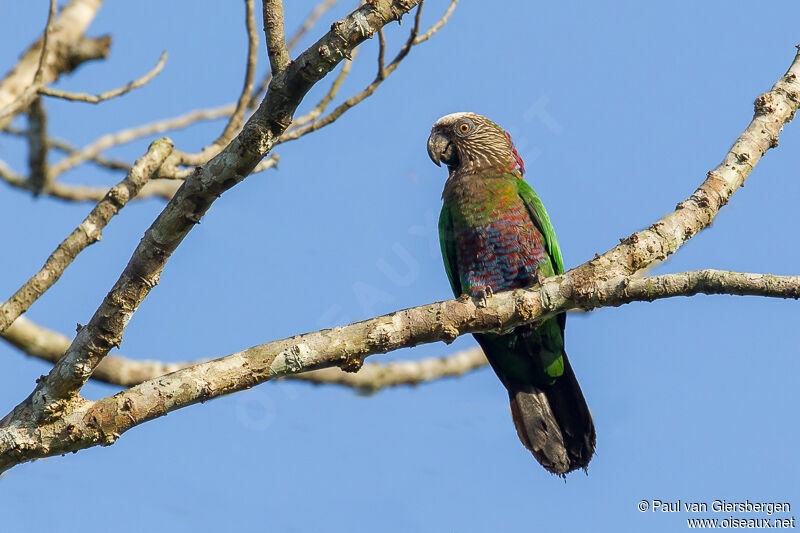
[[552, 330], [448, 246], [542, 221]]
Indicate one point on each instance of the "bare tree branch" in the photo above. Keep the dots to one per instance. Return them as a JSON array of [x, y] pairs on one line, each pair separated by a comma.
[[68, 49], [67, 148], [376, 376], [309, 22], [91, 151], [113, 93], [86, 49], [48, 345], [82, 193], [171, 169], [39, 178], [772, 110], [127, 135], [88, 232], [381, 55], [706, 281], [276, 39], [235, 121], [300, 130], [59, 389], [267, 163], [439, 24], [329, 96], [111, 164], [30, 93]]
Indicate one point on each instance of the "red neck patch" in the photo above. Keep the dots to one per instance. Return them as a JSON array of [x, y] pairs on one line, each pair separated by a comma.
[[518, 163]]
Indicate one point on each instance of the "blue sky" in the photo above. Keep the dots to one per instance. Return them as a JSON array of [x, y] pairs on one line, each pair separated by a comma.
[[618, 109]]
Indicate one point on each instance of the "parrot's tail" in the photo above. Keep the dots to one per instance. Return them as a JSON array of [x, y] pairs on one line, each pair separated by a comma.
[[554, 422]]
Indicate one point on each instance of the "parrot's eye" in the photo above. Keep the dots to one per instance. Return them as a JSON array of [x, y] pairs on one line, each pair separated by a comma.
[[464, 127]]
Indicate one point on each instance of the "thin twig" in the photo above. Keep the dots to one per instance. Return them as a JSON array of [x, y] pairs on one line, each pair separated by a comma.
[[308, 23], [31, 92], [265, 164], [113, 93], [106, 162], [69, 149], [299, 131], [235, 122], [319, 10], [84, 193], [381, 54], [127, 135], [439, 24]]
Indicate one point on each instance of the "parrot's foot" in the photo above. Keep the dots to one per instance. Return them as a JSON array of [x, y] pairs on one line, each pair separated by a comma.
[[540, 277], [483, 293]]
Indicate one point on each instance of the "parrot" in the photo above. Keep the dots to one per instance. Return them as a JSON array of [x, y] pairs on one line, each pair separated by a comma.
[[495, 236]]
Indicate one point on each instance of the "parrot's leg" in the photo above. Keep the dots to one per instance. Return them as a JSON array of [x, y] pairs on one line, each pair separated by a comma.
[[484, 293]]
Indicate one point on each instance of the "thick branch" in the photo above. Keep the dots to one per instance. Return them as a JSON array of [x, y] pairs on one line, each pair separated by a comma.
[[48, 345], [276, 37], [88, 232]]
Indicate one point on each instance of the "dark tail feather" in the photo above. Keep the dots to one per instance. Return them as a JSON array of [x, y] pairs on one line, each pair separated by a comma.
[[554, 422]]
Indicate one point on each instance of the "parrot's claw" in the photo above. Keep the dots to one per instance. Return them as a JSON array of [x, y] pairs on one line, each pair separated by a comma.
[[484, 293]]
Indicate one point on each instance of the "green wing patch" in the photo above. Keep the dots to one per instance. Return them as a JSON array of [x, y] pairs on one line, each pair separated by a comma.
[[448, 245], [539, 216]]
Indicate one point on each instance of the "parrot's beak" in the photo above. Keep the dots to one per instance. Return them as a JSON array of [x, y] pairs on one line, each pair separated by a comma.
[[438, 145]]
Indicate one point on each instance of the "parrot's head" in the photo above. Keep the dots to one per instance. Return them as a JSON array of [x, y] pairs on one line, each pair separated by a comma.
[[468, 142]]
